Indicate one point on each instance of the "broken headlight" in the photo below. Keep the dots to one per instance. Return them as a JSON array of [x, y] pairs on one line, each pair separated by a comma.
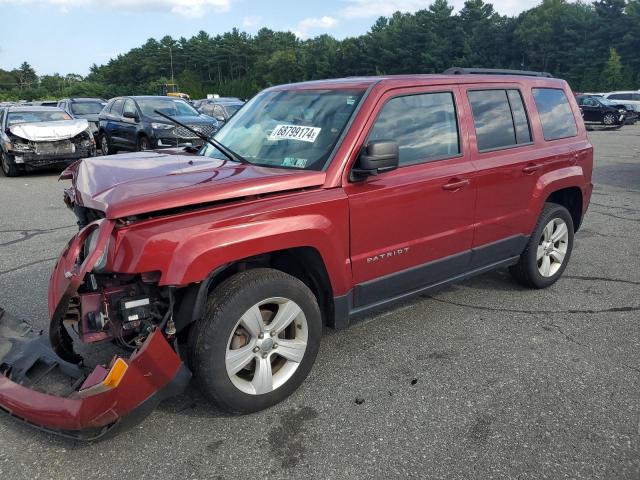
[[90, 246], [20, 147]]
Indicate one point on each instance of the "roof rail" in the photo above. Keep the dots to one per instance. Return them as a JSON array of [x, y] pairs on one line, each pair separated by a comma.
[[493, 71]]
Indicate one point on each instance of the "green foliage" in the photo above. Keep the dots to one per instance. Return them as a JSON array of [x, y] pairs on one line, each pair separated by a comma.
[[612, 77], [595, 46]]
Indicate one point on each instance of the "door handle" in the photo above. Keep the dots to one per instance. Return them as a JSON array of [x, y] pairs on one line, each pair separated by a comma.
[[531, 168], [456, 184]]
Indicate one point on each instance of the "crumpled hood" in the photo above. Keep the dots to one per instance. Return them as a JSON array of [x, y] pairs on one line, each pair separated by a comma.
[[144, 182], [49, 131]]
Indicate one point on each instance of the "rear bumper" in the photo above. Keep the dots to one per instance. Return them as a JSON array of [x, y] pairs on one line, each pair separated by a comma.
[[88, 411]]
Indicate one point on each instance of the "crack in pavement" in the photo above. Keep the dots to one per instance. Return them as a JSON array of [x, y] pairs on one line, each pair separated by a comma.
[[25, 265], [603, 279], [533, 312], [28, 234], [616, 216]]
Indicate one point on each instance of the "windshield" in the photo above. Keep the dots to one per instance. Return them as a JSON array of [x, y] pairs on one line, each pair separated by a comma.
[[36, 116], [169, 106], [290, 128], [87, 108]]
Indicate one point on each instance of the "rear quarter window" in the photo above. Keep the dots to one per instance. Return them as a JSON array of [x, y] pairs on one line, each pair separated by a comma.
[[555, 113]]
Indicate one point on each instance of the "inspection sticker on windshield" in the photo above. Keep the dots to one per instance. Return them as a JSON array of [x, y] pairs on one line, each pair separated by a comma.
[[295, 132]]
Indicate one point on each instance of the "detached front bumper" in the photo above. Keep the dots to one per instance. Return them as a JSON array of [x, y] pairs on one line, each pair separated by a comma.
[[48, 392], [82, 407]]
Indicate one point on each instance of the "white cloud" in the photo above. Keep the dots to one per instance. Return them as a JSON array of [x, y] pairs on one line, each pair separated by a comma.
[[186, 8], [386, 8], [305, 26], [379, 8], [250, 22]]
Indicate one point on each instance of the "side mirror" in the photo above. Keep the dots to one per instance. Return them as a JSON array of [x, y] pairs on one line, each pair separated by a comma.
[[131, 115], [377, 157], [220, 118]]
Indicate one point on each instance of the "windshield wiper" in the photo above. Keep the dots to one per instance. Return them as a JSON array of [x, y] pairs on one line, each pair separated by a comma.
[[227, 152]]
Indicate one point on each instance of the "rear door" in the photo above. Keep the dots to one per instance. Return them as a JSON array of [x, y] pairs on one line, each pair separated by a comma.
[[413, 226], [509, 165]]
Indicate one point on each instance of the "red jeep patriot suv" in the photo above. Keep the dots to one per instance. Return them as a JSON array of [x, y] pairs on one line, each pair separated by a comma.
[[316, 202]]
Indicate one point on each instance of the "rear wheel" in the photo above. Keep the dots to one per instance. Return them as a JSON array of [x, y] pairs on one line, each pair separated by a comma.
[[9, 167], [548, 250], [257, 341]]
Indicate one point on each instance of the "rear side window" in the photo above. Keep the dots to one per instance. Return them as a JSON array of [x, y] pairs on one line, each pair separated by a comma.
[[424, 125], [500, 118], [620, 96], [555, 113]]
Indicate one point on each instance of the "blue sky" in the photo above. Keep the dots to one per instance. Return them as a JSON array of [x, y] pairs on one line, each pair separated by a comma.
[[67, 36]]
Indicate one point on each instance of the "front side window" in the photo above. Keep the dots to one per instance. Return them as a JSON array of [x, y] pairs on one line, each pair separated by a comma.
[[116, 108], [500, 118], [129, 107], [555, 113], [424, 125], [289, 128]]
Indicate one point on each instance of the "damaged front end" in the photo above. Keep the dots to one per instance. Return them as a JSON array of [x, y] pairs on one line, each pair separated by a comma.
[[46, 144], [45, 383]]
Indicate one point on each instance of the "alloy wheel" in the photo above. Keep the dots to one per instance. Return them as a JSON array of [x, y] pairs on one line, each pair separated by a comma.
[[266, 346], [104, 145], [609, 119], [552, 247]]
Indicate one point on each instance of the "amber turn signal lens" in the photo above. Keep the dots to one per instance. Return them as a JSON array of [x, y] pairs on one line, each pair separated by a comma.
[[113, 378]]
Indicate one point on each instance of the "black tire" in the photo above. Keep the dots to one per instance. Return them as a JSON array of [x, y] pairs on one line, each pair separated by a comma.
[[105, 144], [143, 143], [526, 271], [209, 337], [9, 167]]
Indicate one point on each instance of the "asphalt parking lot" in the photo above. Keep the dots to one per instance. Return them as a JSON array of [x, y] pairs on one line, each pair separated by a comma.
[[482, 380]]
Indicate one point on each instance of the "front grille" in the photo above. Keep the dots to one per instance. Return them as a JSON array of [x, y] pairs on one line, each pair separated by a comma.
[[63, 147], [182, 132]]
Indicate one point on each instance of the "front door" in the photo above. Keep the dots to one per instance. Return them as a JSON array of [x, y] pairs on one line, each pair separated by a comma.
[[413, 226]]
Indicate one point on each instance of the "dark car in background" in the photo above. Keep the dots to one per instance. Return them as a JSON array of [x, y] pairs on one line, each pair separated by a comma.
[[41, 137], [132, 124], [87, 108], [598, 110], [222, 109]]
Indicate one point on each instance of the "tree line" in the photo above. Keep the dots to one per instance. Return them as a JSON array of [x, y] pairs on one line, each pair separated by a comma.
[[594, 46]]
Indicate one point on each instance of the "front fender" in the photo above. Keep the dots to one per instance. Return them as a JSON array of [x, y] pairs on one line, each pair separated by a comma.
[[186, 248]]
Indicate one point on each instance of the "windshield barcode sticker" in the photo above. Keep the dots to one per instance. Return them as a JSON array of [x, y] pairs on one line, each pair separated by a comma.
[[295, 132]]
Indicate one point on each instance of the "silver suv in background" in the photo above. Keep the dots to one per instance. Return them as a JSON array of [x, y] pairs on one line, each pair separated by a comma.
[[628, 98]]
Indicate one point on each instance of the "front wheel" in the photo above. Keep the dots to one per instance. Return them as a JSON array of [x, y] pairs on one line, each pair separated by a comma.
[[257, 341], [548, 250], [143, 143], [9, 167], [609, 119], [105, 144]]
